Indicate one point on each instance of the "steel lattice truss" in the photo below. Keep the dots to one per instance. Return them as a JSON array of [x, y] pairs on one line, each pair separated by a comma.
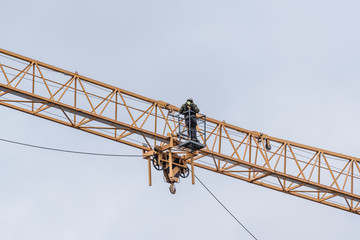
[[95, 107]]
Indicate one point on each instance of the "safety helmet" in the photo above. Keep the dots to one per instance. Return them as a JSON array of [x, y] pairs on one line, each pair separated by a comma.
[[190, 99]]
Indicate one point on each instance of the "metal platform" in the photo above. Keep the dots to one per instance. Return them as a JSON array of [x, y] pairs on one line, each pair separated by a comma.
[[191, 130]]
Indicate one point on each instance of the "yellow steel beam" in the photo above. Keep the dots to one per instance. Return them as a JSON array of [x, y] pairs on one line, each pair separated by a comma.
[[76, 101]]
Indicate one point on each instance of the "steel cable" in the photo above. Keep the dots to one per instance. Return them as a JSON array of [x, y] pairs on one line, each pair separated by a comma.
[[224, 206], [70, 151]]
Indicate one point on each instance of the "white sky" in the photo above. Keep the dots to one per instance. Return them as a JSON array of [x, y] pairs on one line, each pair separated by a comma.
[[286, 68]]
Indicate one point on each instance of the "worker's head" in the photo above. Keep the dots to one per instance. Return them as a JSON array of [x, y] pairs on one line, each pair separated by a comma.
[[189, 101]]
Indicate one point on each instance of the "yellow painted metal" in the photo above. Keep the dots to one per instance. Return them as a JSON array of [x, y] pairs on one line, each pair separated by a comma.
[[171, 174], [149, 169], [192, 171], [85, 104], [172, 160]]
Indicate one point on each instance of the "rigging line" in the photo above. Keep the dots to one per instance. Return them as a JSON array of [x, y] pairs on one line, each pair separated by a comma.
[[14, 59], [272, 183], [93, 96], [102, 130], [224, 207], [134, 140], [70, 151], [94, 85]]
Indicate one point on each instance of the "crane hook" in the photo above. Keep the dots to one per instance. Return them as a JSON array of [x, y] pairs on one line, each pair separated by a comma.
[[172, 188]]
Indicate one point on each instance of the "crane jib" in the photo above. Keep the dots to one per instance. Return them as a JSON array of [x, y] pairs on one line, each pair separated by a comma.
[[153, 126]]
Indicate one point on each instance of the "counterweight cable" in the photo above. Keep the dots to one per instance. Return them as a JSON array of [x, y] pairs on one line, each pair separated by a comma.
[[224, 207], [70, 151]]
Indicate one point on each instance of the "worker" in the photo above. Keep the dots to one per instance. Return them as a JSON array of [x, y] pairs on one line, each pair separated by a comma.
[[189, 109]]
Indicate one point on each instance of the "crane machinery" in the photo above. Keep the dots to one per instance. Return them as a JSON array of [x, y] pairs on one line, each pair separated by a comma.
[[156, 128]]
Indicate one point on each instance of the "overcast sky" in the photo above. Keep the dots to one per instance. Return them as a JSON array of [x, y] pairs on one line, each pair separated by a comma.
[[289, 69]]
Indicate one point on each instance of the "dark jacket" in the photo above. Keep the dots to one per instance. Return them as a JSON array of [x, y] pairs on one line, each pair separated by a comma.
[[185, 107]]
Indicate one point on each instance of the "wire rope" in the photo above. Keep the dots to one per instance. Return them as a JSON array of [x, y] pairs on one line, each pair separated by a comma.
[[70, 151], [118, 155], [126, 155], [217, 199]]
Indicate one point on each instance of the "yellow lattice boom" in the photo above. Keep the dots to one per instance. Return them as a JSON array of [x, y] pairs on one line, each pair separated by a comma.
[[79, 102]]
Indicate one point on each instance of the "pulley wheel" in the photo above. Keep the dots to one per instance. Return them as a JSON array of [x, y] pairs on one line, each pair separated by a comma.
[[156, 164], [184, 173]]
